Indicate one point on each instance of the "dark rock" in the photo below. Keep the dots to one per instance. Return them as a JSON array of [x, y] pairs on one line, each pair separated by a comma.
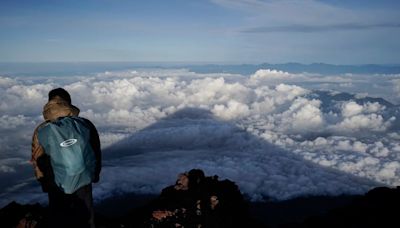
[[377, 208], [13, 213]]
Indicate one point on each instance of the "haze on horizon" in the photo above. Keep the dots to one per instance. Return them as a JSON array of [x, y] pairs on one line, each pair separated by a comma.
[[239, 31]]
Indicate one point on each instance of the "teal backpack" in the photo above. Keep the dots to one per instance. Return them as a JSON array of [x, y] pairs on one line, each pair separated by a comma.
[[67, 142]]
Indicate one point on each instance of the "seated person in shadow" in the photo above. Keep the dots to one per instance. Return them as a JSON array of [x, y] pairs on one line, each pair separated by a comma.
[[198, 201], [178, 205]]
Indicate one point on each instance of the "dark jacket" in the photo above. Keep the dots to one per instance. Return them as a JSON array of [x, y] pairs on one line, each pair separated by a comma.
[[53, 110]]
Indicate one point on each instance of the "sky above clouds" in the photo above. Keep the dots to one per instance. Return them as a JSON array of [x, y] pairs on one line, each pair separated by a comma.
[[241, 31]]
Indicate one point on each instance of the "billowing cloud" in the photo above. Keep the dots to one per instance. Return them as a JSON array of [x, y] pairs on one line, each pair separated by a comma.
[[6, 82], [372, 122], [267, 74], [363, 117], [351, 108], [12, 122], [232, 110], [24, 99]]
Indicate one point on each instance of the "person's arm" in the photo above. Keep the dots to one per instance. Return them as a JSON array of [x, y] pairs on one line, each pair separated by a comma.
[[96, 146], [41, 163], [37, 151]]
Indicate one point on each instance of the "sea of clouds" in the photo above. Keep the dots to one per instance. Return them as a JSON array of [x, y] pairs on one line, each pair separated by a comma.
[[277, 135]]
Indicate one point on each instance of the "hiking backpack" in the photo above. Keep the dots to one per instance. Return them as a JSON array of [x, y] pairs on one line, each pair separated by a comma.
[[67, 142]]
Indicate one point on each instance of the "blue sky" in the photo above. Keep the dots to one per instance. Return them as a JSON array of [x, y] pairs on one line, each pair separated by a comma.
[[238, 31]]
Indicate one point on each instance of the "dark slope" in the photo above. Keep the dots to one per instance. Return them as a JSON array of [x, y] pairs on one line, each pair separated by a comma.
[[377, 208]]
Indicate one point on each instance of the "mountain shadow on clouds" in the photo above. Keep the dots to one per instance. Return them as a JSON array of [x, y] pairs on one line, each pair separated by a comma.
[[149, 160], [180, 131]]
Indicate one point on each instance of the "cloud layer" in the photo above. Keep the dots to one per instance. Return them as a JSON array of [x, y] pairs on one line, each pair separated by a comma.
[[271, 132]]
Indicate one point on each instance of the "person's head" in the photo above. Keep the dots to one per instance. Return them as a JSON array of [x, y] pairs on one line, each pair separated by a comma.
[[196, 177], [60, 92], [182, 183]]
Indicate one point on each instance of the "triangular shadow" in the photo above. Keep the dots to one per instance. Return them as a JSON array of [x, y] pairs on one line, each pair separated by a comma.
[[195, 138]]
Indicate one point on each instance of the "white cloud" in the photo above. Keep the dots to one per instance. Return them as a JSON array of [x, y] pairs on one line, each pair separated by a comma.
[[6, 82], [11, 122], [359, 147], [379, 150], [303, 115], [367, 116], [232, 110], [390, 170], [290, 91], [373, 107], [371, 122], [24, 99], [267, 74], [351, 108]]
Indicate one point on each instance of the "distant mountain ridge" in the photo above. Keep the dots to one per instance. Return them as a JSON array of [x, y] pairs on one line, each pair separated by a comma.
[[320, 68], [84, 68]]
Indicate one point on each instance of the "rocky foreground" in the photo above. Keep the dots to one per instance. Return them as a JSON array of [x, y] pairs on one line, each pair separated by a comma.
[[219, 204]]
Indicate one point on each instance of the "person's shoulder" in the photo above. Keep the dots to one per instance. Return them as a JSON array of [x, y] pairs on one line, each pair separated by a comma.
[[86, 120], [41, 125], [89, 123]]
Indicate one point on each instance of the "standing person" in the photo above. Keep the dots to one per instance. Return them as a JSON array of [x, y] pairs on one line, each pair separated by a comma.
[[66, 157]]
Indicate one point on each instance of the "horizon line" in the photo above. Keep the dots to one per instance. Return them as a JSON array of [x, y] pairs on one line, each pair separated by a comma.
[[200, 63]]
